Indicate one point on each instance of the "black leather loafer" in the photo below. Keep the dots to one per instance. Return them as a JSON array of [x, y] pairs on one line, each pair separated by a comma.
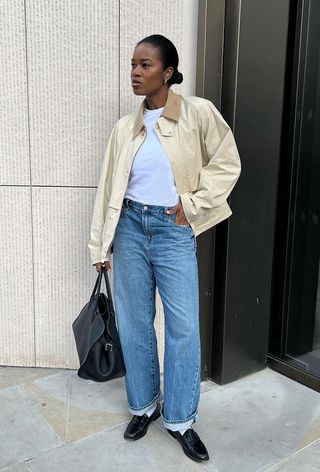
[[192, 445], [138, 425]]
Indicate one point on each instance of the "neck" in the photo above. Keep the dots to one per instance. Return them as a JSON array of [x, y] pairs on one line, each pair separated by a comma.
[[158, 99]]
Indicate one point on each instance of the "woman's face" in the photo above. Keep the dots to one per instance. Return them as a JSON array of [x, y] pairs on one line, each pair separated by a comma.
[[147, 74]]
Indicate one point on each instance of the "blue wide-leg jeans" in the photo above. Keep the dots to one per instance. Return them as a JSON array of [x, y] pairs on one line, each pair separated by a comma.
[[150, 250]]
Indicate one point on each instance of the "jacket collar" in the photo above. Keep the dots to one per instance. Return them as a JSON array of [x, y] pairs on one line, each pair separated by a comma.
[[172, 111]]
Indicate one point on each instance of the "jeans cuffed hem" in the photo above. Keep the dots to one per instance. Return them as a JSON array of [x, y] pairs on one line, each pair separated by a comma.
[[144, 409], [177, 425]]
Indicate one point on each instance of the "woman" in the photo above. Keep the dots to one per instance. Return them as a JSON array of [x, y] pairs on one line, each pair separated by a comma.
[[166, 175]]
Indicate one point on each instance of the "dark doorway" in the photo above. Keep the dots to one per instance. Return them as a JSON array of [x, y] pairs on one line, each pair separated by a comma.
[[295, 333]]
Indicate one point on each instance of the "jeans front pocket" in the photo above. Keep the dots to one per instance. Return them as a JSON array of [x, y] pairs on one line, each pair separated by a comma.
[[172, 219]]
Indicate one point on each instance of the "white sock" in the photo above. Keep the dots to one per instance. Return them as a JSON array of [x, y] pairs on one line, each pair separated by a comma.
[[149, 412], [182, 431]]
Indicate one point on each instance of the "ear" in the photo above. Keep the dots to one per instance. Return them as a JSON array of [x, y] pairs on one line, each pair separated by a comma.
[[168, 73]]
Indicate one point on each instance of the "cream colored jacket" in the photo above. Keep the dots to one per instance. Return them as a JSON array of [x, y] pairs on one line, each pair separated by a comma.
[[204, 159]]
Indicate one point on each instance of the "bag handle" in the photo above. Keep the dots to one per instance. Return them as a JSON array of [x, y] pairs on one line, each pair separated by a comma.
[[97, 285], [106, 279]]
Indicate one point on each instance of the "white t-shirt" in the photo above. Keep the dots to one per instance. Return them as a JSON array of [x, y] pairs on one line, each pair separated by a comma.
[[151, 180]]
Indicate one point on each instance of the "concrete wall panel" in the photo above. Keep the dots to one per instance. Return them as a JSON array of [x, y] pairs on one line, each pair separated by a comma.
[[73, 57], [14, 161], [16, 285], [62, 270]]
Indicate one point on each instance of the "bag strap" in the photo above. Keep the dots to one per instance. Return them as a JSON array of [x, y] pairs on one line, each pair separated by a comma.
[[97, 285], [106, 278]]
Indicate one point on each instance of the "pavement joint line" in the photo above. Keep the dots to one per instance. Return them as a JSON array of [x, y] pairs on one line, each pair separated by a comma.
[[30, 459], [34, 403], [103, 431], [285, 459], [64, 445], [216, 387], [43, 453], [27, 466], [3, 469], [67, 410]]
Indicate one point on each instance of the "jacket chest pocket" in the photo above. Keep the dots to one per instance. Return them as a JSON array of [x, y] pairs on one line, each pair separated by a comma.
[[187, 169], [181, 152]]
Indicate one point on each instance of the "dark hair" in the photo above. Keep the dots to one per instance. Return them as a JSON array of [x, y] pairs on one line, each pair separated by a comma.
[[168, 53]]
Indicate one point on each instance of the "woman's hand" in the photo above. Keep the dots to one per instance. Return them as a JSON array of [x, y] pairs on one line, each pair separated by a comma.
[[99, 265], [180, 216]]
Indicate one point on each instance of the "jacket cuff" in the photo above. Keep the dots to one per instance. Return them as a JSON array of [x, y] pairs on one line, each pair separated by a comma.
[[95, 255], [106, 259]]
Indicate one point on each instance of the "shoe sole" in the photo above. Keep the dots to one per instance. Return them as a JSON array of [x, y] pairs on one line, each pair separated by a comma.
[[186, 452], [144, 432]]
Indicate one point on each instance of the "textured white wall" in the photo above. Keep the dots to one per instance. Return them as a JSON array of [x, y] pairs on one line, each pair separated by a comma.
[[65, 80]]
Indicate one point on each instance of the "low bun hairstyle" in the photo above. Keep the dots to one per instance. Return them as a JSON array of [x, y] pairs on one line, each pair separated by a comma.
[[168, 54], [176, 78]]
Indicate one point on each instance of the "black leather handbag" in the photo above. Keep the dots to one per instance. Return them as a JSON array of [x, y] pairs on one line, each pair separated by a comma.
[[96, 336]]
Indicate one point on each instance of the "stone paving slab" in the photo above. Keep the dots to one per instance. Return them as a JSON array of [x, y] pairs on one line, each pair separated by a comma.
[[94, 406], [54, 421], [24, 432], [50, 394], [257, 421]]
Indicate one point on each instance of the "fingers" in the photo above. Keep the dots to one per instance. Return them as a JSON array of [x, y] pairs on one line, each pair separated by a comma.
[[106, 265], [180, 216], [174, 209]]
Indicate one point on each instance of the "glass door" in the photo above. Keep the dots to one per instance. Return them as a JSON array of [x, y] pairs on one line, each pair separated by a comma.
[[300, 343]]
